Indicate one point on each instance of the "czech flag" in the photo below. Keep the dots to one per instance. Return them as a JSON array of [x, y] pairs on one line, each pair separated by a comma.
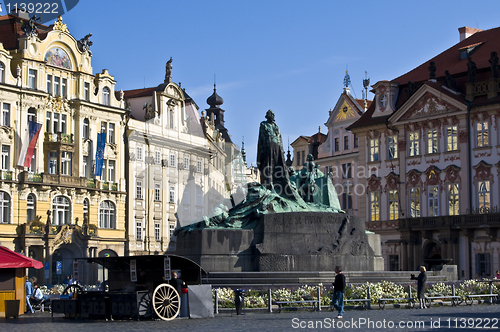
[[30, 139]]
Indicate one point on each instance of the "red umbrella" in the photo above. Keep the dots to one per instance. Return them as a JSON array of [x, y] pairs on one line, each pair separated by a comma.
[[11, 260]]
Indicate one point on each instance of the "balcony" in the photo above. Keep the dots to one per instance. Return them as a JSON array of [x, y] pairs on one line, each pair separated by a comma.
[[6, 175], [453, 222], [59, 138], [60, 180]]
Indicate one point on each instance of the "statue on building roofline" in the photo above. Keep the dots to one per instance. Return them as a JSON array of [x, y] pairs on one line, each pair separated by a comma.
[[168, 71], [29, 27], [471, 69], [494, 64], [85, 43]]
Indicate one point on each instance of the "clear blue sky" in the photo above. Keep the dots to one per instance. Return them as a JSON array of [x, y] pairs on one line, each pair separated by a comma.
[[289, 56]]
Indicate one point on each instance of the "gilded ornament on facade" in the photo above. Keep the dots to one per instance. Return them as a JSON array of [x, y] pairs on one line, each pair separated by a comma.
[[59, 25]]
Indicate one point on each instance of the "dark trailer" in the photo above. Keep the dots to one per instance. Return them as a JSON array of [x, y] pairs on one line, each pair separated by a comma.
[[135, 286]]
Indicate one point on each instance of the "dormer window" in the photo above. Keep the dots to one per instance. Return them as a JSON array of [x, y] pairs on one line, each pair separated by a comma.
[[105, 96], [466, 51]]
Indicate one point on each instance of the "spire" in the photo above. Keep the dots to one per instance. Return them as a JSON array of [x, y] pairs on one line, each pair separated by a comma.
[[243, 153], [347, 82], [215, 100], [366, 83]]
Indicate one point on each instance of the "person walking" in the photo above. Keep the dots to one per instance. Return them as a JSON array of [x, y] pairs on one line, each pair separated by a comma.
[[177, 284], [29, 293], [421, 279], [338, 291]]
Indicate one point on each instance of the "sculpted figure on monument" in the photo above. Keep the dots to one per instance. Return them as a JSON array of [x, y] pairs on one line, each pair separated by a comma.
[[309, 189]]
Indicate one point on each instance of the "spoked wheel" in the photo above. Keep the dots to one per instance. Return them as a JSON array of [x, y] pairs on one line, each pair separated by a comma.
[[166, 302], [71, 289]]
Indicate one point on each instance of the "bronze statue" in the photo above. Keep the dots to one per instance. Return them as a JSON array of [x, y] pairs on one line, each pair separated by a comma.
[[494, 64], [432, 70], [168, 71], [471, 70], [450, 81]]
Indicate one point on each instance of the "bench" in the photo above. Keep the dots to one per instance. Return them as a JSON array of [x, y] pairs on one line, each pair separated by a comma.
[[411, 301], [455, 300], [469, 299], [364, 302], [280, 304]]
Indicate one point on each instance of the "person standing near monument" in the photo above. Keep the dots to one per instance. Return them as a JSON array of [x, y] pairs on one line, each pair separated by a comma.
[[338, 291], [421, 279], [29, 293]]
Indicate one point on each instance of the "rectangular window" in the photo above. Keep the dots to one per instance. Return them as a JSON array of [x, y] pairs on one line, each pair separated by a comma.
[[138, 152], [392, 146], [199, 166], [356, 141], [138, 231], [104, 128], [64, 88], [413, 144], [433, 194], [6, 115], [414, 202], [157, 232], [347, 198], [57, 83], [172, 195], [346, 171], [484, 196], [157, 192], [453, 199], [393, 205], [186, 162], [63, 123], [374, 206], [111, 170], [104, 176], [346, 142], [86, 129], [48, 121], [373, 149], [451, 138], [172, 160], [49, 84], [66, 163], [393, 263], [55, 128], [111, 133], [5, 157], [171, 229], [52, 162], [298, 158], [86, 166], [157, 157], [336, 141], [86, 91], [32, 166], [482, 134], [483, 265], [432, 141], [138, 190], [32, 75]]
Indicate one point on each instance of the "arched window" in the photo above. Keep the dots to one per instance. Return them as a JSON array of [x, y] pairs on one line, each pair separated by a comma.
[[107, 215], [5, 207], [61, 211], [86, 128], [105, 95], [2, 72], [30, 207]]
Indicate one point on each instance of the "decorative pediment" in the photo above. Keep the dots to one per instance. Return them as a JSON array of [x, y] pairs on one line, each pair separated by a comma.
[[414, 178], [452, 174], [483, 172], [68, 234], [428, 105], [374, 184], [345, 112], [432, 176], [391, 181]]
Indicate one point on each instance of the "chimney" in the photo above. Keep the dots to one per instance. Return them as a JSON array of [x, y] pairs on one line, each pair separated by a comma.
[[466, 32], [20, 13]]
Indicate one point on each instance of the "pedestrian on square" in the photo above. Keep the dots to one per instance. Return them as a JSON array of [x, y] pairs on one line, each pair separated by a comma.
[[338, 291], [29, 293], [497, 276], [421, 279]]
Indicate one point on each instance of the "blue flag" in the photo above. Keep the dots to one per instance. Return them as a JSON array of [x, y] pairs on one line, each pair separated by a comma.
[[99, 154]]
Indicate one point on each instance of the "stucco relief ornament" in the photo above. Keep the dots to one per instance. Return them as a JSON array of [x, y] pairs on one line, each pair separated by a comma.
[[59, 25]]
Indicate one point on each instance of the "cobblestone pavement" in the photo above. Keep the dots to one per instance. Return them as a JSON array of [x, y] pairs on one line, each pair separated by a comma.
[[463, 318]]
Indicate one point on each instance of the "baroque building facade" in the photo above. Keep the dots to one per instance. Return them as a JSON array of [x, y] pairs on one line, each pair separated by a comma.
[[54, 208], [432, 145]]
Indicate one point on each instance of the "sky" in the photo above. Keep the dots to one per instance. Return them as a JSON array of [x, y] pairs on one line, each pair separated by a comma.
[[288, 56]]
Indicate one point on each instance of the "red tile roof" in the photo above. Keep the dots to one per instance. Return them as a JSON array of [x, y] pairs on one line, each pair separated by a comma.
[[146, 92], [10, 31]]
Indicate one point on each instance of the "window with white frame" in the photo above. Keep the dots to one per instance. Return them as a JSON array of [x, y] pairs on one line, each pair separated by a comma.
[[31, 114], [30, 207], [171, 119], [49, 84], [199, 166], [86, 128], [157, 232], [374, 149], [66, 163], [336, 144], [138, 231], [172, 195], [86, 91], [32, 78], [111, 133], [414, 202], [111, 170], [171, 229], [346, 171], [482, 134], [432, 141], [453, 199], [374, 206], [5, 206], [393, 204], [356, 141], [157, 192], [484, 192], [63, 123], [433, 196], [157, 157], [57, 85], [6, 115], [172, 160], [55, 123], [138, 152], [64, 87], [86, 168], [138, 190], [52, 162], [451, 138], [61, 211], [5, 157], [48, 121], [413, 144], [392, 147], [186, 162], [346, 142], [105, 96], [32, 166], [107, 215], [86, 205], [2, 72]]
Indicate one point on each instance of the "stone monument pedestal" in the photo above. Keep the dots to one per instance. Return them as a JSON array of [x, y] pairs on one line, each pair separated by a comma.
[[295, 241]]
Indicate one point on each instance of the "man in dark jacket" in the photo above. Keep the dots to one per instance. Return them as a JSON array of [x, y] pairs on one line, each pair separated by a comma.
[[421, 279], [338, 291]]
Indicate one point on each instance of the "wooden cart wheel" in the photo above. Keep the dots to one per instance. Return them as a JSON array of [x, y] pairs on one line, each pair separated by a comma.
[[166, 302], [71, 289]]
